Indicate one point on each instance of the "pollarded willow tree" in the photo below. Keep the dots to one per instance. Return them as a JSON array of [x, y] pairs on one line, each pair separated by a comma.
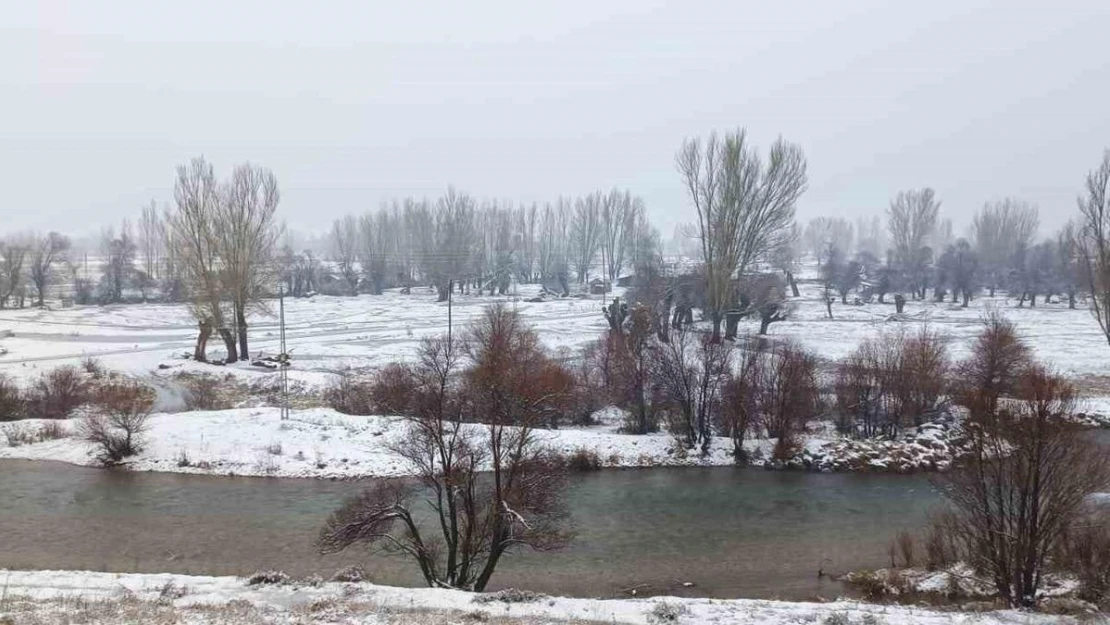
[[1093, 241], [223, 238], [745, 207]]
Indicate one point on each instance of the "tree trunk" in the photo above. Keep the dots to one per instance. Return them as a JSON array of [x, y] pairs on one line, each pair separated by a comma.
[[967, 297], [1032, 300], [732, 322], [992, 290], [793, 283], [442, 292], [899, 303], [716, 327], [828, 306], [1071, 300], [764, 324], [241, 328], [843, 299], [229, 342], [200, 352], [882, 298]]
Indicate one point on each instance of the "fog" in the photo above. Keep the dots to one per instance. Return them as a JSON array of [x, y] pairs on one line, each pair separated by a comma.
[[354, 103]]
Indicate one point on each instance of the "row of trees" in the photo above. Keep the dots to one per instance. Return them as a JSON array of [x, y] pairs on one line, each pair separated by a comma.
[[486, 245]]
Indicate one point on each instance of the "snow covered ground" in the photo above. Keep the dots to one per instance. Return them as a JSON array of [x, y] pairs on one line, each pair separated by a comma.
[[329, 334], [194, 600], [325, 443]]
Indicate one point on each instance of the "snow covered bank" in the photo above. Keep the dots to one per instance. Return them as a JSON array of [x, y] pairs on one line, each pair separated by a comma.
[[197, 599], [323, 443]]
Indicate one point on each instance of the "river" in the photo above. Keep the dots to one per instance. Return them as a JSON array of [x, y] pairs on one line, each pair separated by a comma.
[[730, 532]]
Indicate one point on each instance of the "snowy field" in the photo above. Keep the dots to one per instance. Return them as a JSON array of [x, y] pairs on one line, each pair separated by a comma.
[[327, 335], [105, 597]]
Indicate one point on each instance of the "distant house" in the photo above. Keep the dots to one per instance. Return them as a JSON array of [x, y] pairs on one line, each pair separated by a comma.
[[626, 280]]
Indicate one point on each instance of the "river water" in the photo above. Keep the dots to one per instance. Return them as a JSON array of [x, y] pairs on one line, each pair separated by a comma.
[[731, 532]]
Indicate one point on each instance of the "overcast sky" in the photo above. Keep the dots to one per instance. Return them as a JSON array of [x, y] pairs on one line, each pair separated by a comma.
[[351, 103]]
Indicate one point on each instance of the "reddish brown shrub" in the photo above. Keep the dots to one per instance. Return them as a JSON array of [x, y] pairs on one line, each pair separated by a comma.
[[57, 393]]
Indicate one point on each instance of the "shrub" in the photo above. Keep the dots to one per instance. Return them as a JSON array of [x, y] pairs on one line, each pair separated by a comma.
[[118, 420], [261, 578], [12, 405], [510, 595], [350, 574], [583, 460], [891, 382], [350, 394], [1085, 553], [92, 366], [665, 612], [202, 392], [57, 393], [906, 548]]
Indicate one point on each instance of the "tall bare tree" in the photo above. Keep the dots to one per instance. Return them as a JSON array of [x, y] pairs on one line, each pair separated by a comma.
[[197, 246], [118, 252], [912, 221], [150, 239], [345, 234], [44, 253], [553, 243], [1094, 241], [247, 232], [1000, 229], [619, 214], [745, 206], [585, 229], [13, 255]]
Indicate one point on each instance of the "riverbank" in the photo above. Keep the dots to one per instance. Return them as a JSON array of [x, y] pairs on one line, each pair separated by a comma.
[[77, 596], [322, 443]]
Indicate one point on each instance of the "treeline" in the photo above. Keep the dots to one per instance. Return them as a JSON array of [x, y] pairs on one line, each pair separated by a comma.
[[917, 255], [485, 245]]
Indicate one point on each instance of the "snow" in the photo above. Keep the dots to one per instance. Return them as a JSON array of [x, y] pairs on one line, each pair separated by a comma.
[[326, 444], [189, 591]]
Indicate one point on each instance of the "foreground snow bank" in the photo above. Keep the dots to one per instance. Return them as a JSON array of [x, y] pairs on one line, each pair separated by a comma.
[[367, 603]]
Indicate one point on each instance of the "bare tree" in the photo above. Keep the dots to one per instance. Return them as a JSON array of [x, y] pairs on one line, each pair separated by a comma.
[[1094, 241], [620, 212], [690, 370], [13, 254], [345, 237], [1024, 479], [477, 519], [118, 419], [246, 232], [119, 262], [45, 252], [150, 239], [586, 234], [744, 206], [197, 246], [912, 221], [1000, 229], [553, 245], [824, 233]]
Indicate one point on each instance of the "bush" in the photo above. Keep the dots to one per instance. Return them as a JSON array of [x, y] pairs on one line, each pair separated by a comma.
[[202, 392], [118, 420], [665, 612], [583, 460], [350, 574], [12, 406], [350, 395], [29, 434], [92, 366], [890, 383], [57, 393], [510, 595], [1085, 553], [262, 578]]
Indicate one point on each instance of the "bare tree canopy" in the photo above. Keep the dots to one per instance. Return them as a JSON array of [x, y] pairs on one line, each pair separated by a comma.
[[1000, 229], [744, 206], [1094, 241], [912, 221], [45, 252]]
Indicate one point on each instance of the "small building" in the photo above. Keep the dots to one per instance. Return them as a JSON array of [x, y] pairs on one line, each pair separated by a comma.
[[599, 286]]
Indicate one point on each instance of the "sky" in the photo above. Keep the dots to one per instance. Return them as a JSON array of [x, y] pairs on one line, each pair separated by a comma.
[[353, 103]]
